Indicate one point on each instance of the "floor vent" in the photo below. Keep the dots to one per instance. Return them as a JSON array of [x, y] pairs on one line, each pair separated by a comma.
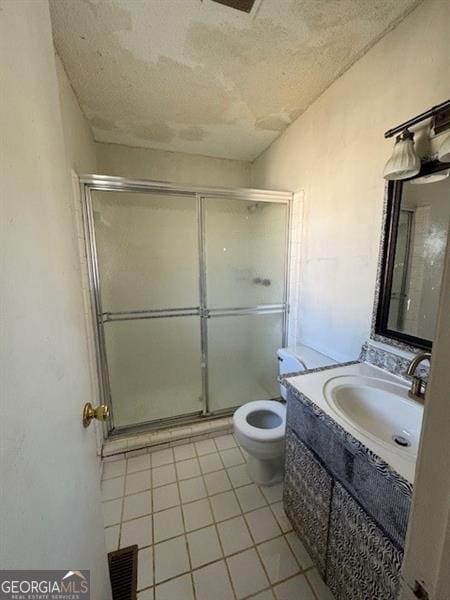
[[123, 573]]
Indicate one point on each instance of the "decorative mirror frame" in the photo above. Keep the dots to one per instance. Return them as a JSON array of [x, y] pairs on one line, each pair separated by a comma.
[[380, 331]]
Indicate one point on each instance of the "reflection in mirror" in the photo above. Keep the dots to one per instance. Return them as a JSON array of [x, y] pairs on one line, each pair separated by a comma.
[[423, 221]]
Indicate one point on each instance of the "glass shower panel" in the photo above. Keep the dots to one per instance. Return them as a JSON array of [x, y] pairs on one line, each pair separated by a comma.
[[147, 249], [399, 291], [154, 368], [245, 252], [242, 359]]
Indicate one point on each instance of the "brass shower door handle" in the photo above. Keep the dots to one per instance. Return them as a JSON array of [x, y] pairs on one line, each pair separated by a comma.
[[101, 413]]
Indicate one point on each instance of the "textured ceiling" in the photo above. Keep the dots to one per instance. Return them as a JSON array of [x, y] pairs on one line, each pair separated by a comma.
[[195, 76]]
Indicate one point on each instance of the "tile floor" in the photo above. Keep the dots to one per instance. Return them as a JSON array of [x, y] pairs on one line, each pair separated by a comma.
[[204, 530]]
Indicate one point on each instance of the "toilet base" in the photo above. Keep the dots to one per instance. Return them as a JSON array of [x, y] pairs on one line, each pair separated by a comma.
[[265, 472]]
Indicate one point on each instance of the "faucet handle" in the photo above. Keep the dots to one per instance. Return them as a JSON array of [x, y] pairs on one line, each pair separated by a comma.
[[418, 388]]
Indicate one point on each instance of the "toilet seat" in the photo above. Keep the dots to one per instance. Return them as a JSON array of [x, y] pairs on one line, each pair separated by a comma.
[[257, 433]]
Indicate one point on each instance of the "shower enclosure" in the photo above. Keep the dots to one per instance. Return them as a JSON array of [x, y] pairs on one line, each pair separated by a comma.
[[398, 308], [189, 295]]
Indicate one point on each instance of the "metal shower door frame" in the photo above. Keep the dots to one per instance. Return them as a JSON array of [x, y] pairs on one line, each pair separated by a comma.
[[90, 183]]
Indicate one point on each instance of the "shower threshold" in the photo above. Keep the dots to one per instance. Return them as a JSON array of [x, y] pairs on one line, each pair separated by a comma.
[[155, 437]]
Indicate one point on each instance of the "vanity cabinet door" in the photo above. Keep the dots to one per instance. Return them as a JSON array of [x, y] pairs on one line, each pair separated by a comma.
[[362, 563], [307, 498]]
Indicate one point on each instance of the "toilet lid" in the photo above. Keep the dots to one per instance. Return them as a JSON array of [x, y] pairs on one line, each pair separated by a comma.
[[240, 419]]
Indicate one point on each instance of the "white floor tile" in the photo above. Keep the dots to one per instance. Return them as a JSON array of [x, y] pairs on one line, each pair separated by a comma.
[[137, 531], [296, 588], [244, 453], [204, 546], [210, 462], [192, 489], [145, 568], [162, 457], [234, 535], [186, 469], [163, 475], [113, 468], [171, 559], [262, 524], [225, 505], [239, 476], [223, 442], [205, 447], [278, 559], [165, 497], [112, 538], [176, 589], [184, 452], [137, 505], [232, 457], [212, 583], [112, 512], [250, 497], [272, 493], [138, 482], [197, 514], [247, 574], [299, 550], [167, 524], [112, 488], [176, 478], [145, 595], [217, 482], [318, 585], [138, 463], [281, 517], [267, 595]]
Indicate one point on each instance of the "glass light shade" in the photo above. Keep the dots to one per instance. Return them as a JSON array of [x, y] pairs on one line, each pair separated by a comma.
[[444, 150], [404, 162]]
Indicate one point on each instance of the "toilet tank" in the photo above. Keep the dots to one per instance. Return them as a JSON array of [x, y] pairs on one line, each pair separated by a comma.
[[300, 358]]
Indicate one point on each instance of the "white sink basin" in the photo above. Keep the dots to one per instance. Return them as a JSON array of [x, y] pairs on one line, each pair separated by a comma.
[[378, 408]]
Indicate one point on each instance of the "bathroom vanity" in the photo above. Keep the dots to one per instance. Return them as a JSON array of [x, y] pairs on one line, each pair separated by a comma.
[[351, 444]]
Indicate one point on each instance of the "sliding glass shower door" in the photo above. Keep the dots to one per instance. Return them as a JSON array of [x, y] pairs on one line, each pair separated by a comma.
[[189, 292], [147, 256], [245, 254]]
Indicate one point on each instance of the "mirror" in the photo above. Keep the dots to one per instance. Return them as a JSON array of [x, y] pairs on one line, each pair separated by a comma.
[[416, 232]]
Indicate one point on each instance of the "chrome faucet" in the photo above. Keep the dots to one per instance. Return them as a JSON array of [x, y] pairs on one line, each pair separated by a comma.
[[418, 385]]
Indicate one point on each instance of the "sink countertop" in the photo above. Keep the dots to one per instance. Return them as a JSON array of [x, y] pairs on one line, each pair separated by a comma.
[[310, 384]]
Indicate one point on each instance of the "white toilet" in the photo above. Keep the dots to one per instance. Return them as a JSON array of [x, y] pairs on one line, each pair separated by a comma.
[[260, 426]]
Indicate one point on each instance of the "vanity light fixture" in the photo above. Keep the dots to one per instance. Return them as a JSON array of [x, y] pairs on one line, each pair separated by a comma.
[[404, 162]]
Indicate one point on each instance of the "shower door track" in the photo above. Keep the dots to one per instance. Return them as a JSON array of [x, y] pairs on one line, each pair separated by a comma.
[[91, 183]]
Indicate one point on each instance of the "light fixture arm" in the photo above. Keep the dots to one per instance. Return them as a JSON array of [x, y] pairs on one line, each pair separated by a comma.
[[432, 112]]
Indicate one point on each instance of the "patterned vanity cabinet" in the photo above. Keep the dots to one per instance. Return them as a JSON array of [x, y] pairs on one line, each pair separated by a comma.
[[346, 504]]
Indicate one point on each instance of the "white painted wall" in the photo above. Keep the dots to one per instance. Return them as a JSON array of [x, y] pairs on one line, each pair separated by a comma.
[[79, 141], [336, 152], [176, 167], [50, 502]]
